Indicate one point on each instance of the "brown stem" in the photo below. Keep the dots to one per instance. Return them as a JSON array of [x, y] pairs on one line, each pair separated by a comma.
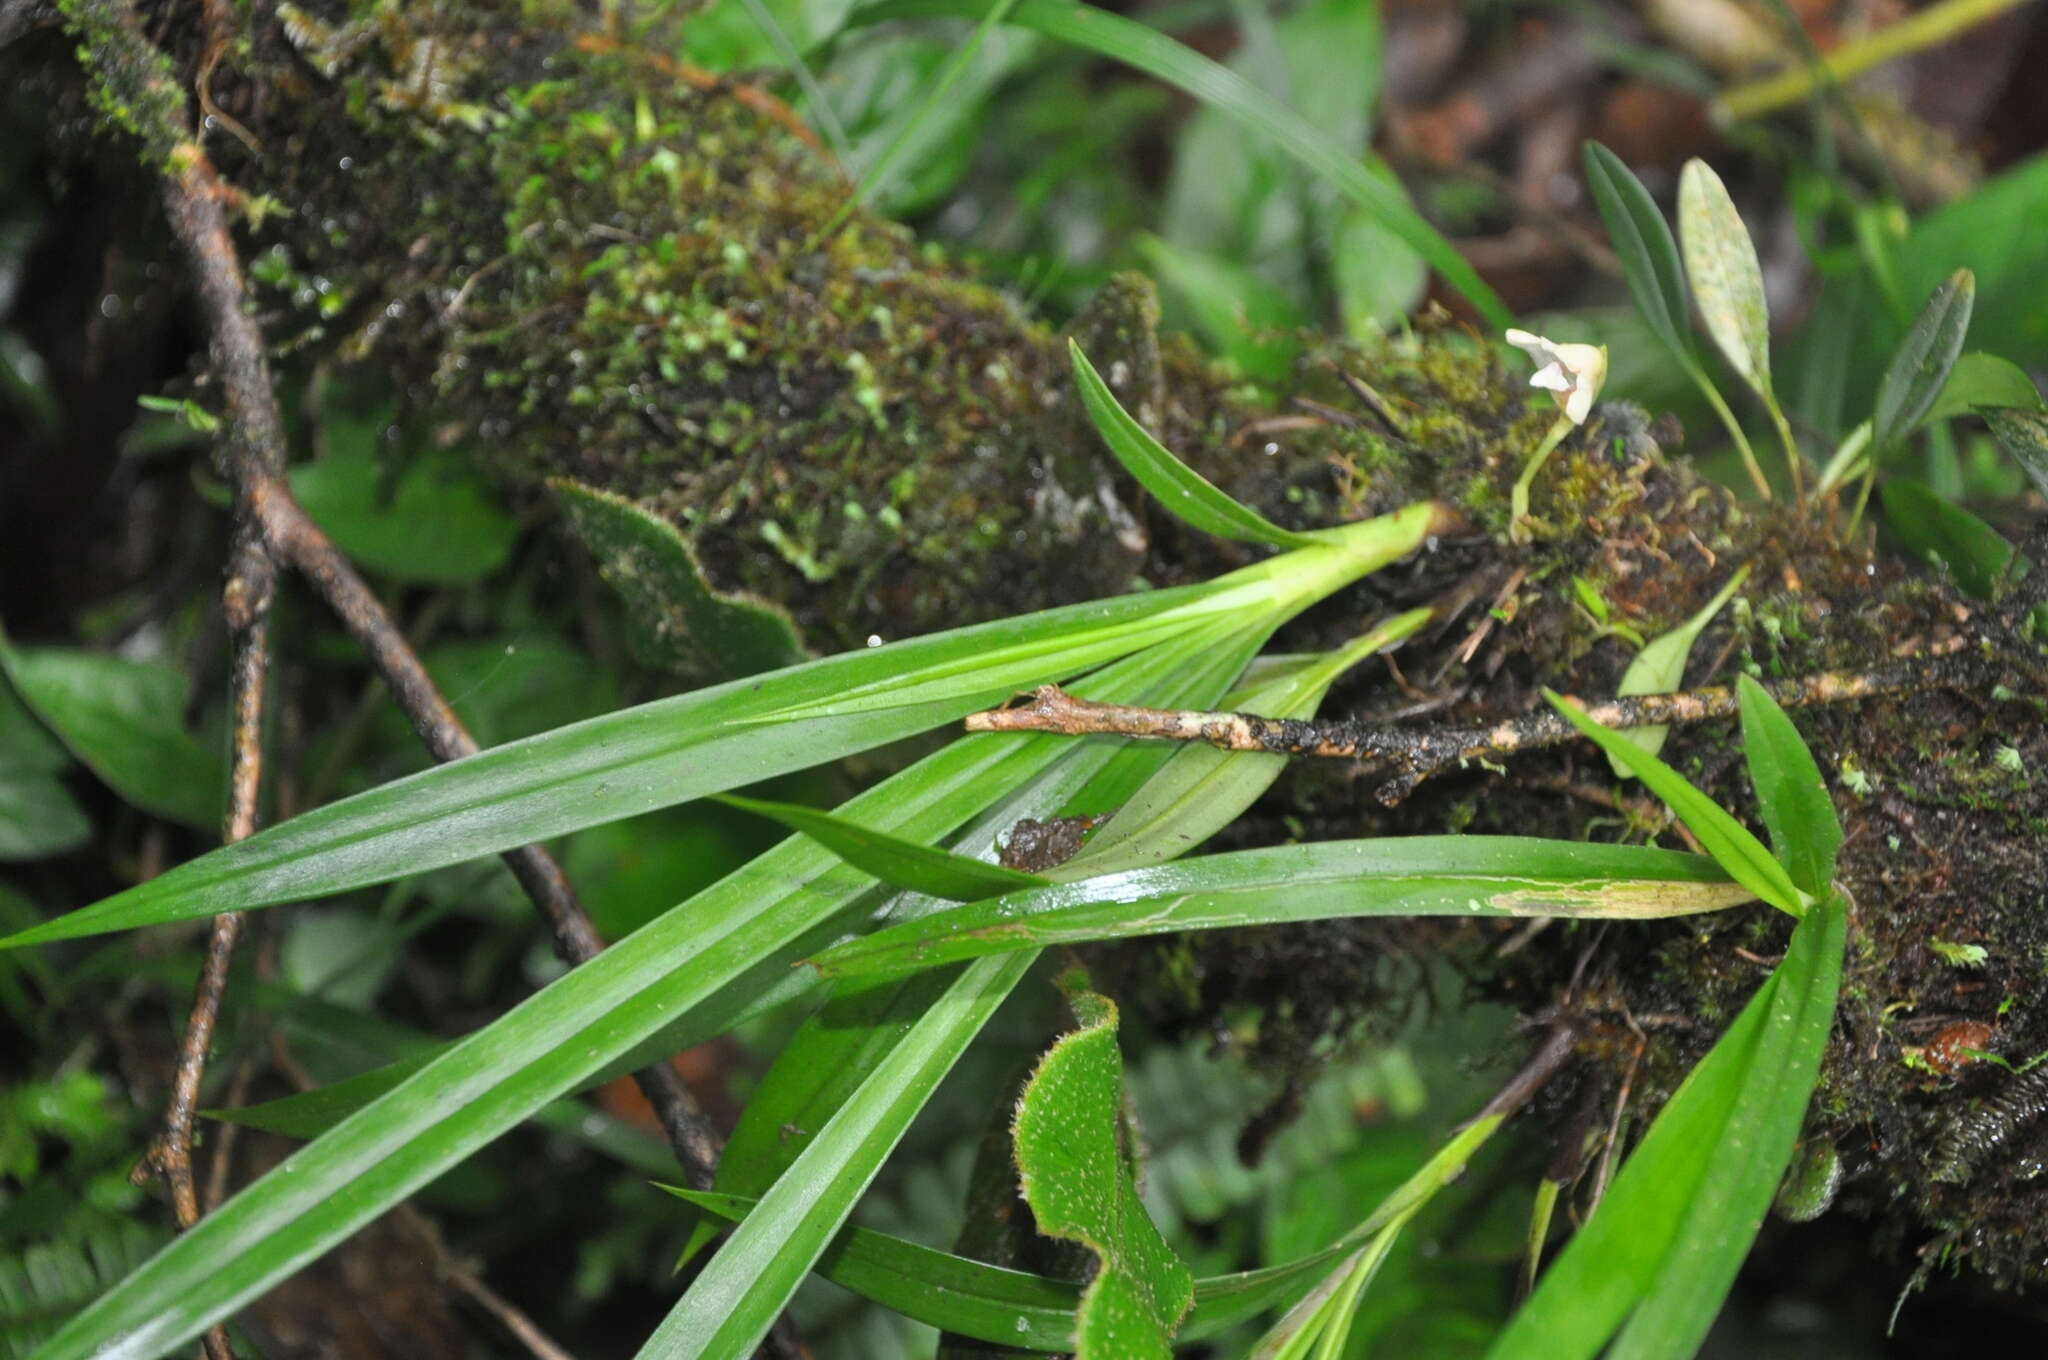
[[271, 527], [1416, 754]]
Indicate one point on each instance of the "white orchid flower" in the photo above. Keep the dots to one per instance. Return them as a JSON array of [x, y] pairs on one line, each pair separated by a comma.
[[1573, 372]]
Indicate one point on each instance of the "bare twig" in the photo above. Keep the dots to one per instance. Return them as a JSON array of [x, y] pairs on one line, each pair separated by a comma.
[[509, 1315], [1415, 754], [272, 527]]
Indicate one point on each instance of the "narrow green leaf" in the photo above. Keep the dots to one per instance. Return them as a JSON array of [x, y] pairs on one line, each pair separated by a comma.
[[1790, 792], [595, 1019], [1078, 1182], [828, 1058], [1659, 668], [678, 620], [122, 719], [1643, 240], [1216, 86], [736, 1297], [989, 1303], [1176, 486], [1920, 368], [1721, 263], [1943, 533], [1980, 379], [2023, 433], [724, 737], [1662, 1249], [1394, 876], [1738, 852], [897, 862]]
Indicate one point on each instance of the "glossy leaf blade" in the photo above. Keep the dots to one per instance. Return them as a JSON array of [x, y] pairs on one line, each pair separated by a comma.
[[1177, 487], [1943, 533], [714, 739], [589, 1021], [1979, 380], [1790, 792], [939, 1289], [1643, 240], [1922, 364], [1720, 261], [1659, 668], [898, 862], [1665, 1244], [1731, 844], [1120, 39], [732, 1303], [1407, 876]]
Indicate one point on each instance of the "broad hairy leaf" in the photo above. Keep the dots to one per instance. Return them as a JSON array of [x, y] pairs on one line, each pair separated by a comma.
[[1394, 876], [1922, 364], [1941, 532], [1720, 261], [1075, 1173], [678, 619], [1790, 792], [1659, 668], [1738, 852], [1658, 1256], [1216, 86], [1177, 487], [1643, 240]]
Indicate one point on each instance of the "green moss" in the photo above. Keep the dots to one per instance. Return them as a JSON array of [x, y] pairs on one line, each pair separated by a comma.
[[132, 85]]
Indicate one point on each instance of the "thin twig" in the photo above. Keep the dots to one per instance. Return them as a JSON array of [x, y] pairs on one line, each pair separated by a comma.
[[273, 526], [509, 1315], [1418, 753]]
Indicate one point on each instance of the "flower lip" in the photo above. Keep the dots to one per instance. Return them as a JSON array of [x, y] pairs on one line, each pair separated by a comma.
[[1574, 372]]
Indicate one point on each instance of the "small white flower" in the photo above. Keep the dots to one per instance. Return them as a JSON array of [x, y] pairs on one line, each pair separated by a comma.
[[1574, 372]]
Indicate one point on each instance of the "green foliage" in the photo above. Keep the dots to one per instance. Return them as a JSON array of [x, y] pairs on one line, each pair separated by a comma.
[[680, 622], [124, 721], [38, 815], [1944, 534], [1075, 1164], [1920, 369], [1659, 668]]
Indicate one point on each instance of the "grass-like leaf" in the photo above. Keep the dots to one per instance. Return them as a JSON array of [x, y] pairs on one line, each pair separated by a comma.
[[989, 1303], [1218, 87], [1396, 876], [719, 738], [1658, 1256], [1920, 368], [1643, 240], [717, 949], [898, 862], [1720, 260], [1659, 668], [1737, 851], [735, 1299], [1790, 792], [1073, 1170], [1176, 486]]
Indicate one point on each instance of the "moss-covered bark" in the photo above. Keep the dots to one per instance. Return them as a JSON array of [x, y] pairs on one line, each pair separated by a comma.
[[584, 267]]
